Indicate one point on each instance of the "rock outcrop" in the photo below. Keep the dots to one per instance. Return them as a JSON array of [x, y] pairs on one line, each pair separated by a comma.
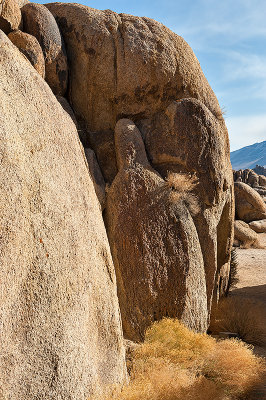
[[10, 16], [39, 22], [60, 334], [30, 47], [154, 243], [188, 138], [124, 66], [244, 235], [137, 68], [249, 204], [258, 226]]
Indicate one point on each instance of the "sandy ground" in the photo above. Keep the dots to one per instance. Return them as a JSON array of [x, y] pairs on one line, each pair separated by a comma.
[[252, 285]]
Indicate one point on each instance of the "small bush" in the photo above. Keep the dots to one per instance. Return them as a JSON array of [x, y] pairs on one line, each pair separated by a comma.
[[181, 185], [240, 316], [175, 363]]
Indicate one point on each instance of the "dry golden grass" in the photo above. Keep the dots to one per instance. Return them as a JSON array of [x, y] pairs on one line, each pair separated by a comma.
[[175, 363], [181, 185], [241, 316]]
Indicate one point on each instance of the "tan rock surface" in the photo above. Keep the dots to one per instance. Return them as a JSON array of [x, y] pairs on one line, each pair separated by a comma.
[[154, 243], [262, 180], [244, 234], [10, 16], [39, 22], [125, 66], [60, 334], [258, 226], [30, 47], [249, 204], [188, 138]]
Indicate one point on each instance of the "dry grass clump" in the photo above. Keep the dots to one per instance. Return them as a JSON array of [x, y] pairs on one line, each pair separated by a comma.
[[181, 185], [175, 363], [240, 316]]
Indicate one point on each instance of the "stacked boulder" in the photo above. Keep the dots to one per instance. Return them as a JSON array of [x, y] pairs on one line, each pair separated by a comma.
[[250, 207], [145, 212]]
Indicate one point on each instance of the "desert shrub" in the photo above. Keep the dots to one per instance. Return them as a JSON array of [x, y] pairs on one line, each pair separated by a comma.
[[233, 273], [181, 186], [175, 363], [240, 316]]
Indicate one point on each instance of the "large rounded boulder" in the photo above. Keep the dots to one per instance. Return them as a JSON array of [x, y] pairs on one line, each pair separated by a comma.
[[154, 242], [125, 66], [60, 335], [39, 22], [188, 138], [249, 204], [245, 235], [30, 47]]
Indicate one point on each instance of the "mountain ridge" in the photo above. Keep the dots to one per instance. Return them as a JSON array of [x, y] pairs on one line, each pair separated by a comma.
[[249, 156]]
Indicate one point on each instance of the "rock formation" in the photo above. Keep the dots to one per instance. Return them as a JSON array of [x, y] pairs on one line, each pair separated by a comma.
[[244, 235], [60, 334], [10, 16], [154, 243], [249, 204], [124, 66], [29, 46], [146, 67], [258, 226], [152, 128], [39, 22]]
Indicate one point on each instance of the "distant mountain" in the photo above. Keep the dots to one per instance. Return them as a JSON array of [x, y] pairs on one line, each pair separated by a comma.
[[249, 156]]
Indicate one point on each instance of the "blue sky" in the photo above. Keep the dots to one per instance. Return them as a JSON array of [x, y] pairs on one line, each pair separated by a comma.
[[229, 39]]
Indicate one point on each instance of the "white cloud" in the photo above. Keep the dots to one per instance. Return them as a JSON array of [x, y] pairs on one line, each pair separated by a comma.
[[245, 130]]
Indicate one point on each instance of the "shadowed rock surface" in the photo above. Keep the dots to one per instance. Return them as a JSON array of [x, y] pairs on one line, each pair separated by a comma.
[[154, 243], [60, 334], [30, 47], [39, 22]]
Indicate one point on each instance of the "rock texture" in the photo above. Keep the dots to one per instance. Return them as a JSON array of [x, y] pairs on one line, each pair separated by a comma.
[[154, 243], [258, 226], [125, 66], [39, 22], [60, 334], [188, 138], [244, 234], [249, 204], [30, 47], [10, 16]]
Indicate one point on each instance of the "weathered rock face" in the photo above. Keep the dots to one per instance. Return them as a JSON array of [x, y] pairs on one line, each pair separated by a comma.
[[10, 16], [39, 22], [30, 47], [125, 66], [187, 138], [258, 226], [244, 234], [154, 242], [249, 204], [60, 334]]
